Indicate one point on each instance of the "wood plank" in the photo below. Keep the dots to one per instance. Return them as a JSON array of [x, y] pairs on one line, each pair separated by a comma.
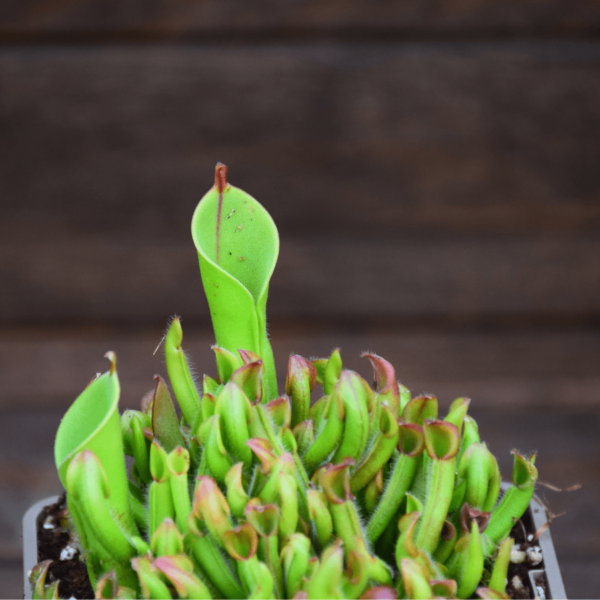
[[174, 19], [582, 577], [322, 278], [377, 139], [512, 369], [11, 575]]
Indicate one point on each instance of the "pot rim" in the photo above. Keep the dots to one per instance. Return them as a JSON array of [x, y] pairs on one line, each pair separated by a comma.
[[30, 553]]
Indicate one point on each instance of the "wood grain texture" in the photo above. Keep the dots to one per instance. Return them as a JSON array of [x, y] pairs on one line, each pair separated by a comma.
[[320, 277], [180, 18], [513, 370], [11, 575], [378, 139]]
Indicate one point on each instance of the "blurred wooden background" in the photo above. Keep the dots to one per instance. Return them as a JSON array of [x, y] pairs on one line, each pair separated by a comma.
[[433, 168]]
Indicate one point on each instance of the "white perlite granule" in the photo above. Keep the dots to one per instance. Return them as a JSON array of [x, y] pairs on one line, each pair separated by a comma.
[[68, 552], [534, 555], [517, 555]]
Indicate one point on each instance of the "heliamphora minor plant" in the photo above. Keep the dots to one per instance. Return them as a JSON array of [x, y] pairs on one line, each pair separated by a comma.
[[367, 493]]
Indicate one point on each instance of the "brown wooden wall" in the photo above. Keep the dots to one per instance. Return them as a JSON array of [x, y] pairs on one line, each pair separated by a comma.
[[433, 168]]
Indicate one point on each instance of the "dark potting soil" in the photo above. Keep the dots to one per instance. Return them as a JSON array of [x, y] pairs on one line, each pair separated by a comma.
[[520, 532], [74, 581], [52, 539]]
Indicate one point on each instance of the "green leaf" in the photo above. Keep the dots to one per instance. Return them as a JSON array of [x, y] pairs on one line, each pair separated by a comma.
[[179, 571], [88, 485], [166, 539], [180, 374], [499, 574], [165, 424], [37, 579], [294, 557], [88, 490], [326, 582], [238, 245], [150, 580], [93, 423]]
